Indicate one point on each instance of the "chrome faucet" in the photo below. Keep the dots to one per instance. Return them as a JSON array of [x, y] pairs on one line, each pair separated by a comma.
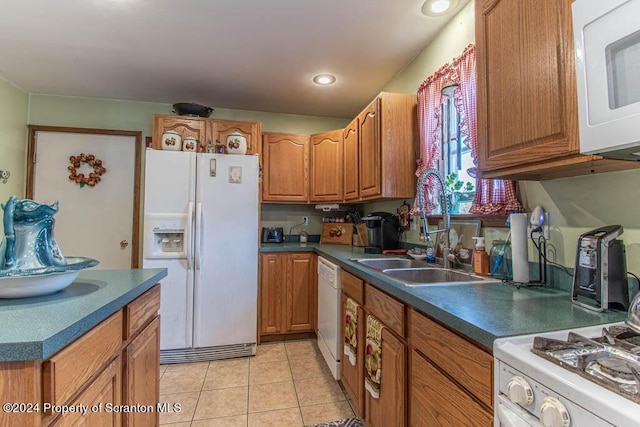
[[420, 194]]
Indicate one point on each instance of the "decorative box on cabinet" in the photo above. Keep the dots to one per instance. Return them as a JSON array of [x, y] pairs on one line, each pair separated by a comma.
[[195, 127], [527, 102], [285, 161], [388, 147], [221, 129], [287, 293], [326, 167]]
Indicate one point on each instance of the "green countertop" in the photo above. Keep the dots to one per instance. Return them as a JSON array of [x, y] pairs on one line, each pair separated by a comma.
[[36, 328], [483, 312]]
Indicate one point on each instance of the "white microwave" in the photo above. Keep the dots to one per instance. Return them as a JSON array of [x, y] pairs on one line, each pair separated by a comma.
[[607, 48]]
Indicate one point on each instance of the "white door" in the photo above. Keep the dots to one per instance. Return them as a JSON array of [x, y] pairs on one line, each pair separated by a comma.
[[97, 221]]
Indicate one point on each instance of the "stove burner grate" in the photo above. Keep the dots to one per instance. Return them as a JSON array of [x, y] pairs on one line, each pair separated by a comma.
[[615, 367], [612, 361]]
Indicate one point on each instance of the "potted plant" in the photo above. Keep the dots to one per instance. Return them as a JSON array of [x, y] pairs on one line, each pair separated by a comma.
[[460, 191]]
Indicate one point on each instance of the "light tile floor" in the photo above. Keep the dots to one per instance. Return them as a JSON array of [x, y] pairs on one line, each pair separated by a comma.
[[285, 384]]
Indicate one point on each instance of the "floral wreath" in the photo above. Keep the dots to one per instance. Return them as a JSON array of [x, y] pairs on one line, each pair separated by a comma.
[[94, 177]]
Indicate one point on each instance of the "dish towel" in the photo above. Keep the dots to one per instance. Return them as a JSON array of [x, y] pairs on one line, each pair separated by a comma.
[[351, 331], [373, 356]]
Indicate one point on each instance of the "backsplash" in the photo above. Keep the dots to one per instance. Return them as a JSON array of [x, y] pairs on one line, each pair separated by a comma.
[[289, 217]]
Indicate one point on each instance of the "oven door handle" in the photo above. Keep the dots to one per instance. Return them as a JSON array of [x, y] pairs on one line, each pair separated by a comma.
[[509, 418]]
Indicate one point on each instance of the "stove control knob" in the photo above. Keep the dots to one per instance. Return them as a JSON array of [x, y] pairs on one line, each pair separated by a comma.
[[553, 413], [519, 391]]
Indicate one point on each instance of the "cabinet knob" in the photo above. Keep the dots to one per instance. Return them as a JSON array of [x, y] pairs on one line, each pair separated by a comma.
[[123, 244]]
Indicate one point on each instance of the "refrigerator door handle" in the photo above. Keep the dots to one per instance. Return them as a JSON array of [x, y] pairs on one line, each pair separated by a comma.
[[187, 237], [198, 235]]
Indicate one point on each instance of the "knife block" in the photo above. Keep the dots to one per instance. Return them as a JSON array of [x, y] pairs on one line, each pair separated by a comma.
[[361, 237]]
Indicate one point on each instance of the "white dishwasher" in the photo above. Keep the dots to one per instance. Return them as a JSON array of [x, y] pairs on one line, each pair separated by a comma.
[[329, 336]]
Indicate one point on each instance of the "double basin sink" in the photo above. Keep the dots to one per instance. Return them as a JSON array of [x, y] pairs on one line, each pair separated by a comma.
[[413, 272]]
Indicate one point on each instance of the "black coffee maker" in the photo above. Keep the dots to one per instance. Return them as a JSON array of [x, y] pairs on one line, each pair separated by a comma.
[[600, 276], [383, 231]]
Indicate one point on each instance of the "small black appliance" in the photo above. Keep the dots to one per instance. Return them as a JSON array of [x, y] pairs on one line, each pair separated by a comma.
[[600, 276], [272, 235], [383, 231]]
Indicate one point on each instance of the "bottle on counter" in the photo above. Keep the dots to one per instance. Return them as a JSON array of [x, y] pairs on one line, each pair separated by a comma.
[[431, 250], [480, 258]]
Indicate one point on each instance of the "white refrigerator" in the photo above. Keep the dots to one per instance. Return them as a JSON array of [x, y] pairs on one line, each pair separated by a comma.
[[201, 223]]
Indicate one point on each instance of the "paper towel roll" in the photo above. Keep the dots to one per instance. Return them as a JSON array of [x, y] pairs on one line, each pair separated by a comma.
[[519, 247]]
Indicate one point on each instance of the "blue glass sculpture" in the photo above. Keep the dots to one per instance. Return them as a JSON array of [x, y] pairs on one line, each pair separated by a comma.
[[29, 249]]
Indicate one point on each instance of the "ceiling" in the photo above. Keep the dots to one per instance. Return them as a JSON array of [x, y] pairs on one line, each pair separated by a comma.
[[240, 54]]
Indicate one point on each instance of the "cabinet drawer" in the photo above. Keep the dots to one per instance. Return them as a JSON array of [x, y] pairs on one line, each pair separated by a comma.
[[141, 310], [353, 287], [387, 309], [463, 361], [437, 401], [69, 369]]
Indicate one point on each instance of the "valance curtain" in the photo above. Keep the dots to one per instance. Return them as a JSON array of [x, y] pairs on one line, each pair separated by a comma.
[[493, 196]]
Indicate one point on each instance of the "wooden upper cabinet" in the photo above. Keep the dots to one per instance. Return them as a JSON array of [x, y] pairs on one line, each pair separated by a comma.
[[369, 149], [221, 129], [184, 125], [350, 161], [527, 102], [285, 167], [388, 147], [326, 167]]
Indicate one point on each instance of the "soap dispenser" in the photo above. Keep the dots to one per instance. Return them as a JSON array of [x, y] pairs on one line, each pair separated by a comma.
[[480, 258]]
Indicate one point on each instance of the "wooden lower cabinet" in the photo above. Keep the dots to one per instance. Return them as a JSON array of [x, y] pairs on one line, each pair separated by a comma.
[[104, 390], [300, 309], [435, 400], [288, 293], [451, 379], [430, 375], [141, 375], [116, 363], [390, 408], [352, 377]]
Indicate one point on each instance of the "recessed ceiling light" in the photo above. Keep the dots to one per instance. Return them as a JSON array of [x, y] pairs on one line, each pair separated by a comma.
[[324, 79], [438, 7]]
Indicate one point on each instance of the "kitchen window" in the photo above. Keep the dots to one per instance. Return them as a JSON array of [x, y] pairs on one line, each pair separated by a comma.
[[447, 120], [457, 158]]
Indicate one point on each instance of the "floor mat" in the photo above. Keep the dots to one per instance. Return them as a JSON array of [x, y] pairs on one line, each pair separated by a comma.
[[348, 422]]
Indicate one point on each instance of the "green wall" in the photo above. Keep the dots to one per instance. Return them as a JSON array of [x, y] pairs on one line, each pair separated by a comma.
[[14, 109], [449, 43], [134, 115], [575, 205]]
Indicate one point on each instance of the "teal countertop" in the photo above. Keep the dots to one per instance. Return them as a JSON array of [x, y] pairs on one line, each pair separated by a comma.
[[36, 328], [483, 312]]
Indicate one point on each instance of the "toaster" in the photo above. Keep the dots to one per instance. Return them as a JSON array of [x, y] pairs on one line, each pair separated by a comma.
[[272, 235]]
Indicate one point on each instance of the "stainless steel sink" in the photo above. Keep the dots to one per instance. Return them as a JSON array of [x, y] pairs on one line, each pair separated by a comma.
[[431, 276], [389, 263], [413, 272]]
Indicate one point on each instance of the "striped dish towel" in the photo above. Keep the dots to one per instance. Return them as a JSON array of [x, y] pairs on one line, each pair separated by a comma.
[[351, 331], [373, 356]]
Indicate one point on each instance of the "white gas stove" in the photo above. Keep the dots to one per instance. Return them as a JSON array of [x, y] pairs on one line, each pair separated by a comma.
[[548, 390]]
